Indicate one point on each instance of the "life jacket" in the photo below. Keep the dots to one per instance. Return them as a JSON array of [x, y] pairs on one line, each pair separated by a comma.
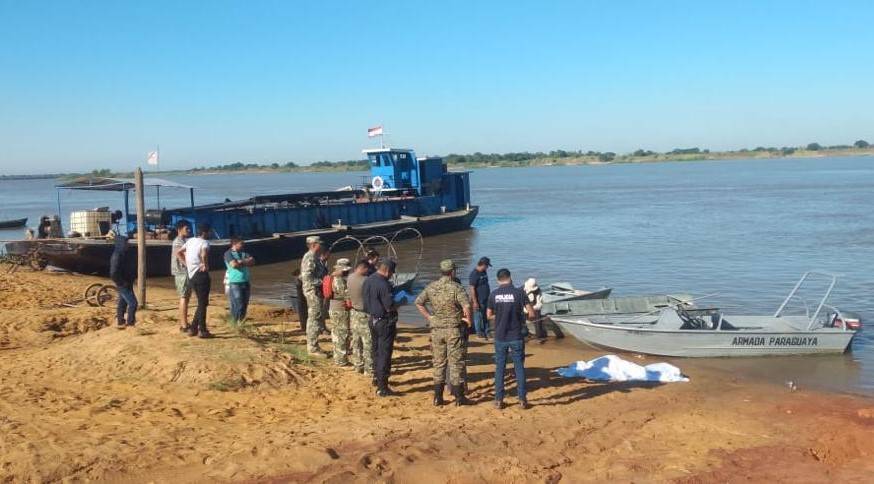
[[328, 287]]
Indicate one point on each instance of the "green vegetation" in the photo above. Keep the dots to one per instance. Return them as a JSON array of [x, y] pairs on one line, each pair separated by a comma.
[[517, 159]]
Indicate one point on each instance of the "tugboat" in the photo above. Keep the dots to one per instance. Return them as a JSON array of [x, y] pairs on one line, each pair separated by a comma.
[[403, 192]]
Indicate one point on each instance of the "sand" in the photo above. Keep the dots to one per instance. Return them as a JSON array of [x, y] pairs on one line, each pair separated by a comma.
[[81, 400]]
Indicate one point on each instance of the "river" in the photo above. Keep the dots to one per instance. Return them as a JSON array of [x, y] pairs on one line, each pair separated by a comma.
[[742, 230]]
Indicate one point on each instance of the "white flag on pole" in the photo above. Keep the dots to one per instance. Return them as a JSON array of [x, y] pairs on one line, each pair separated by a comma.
[[153, 158], [375, 131]]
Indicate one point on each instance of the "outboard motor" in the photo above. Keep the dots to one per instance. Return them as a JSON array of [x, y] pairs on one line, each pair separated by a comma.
[[849, 320]]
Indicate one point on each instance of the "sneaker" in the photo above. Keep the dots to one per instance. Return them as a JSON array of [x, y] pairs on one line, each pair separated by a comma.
[[205, 335], [121, 326], [524, 404], [499, 404], [184, 329]]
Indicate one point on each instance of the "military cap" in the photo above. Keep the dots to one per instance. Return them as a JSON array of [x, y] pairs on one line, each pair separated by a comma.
[[447, 265], [343, 264], [314, 239]]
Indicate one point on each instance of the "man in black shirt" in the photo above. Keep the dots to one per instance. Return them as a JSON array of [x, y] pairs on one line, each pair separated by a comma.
[[479, 296], [379, 304], [506, 305]]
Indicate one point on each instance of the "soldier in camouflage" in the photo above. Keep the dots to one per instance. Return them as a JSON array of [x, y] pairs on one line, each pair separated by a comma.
[[359, 321], [339, 310], [449, 308], [312, 291]]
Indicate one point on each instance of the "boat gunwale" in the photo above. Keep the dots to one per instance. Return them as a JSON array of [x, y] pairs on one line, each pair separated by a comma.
[[629, 327]]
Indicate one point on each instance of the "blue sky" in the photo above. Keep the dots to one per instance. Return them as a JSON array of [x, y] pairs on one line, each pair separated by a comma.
[[87, 84]]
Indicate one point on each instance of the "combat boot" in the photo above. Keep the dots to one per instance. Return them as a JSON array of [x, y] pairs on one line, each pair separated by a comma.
[[438, 395], [460, 399]]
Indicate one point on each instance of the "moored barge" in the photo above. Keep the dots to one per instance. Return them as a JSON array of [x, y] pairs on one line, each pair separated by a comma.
[[403, 192]]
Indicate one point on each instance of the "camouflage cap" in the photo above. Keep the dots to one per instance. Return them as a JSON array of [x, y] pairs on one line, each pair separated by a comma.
[[447, 265], [343, 264], [314, 239]]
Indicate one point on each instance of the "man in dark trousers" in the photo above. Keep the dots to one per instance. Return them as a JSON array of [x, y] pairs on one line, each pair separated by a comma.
[[195, 254], [122, 271], [479, 296], [506, 305], [379, 304]]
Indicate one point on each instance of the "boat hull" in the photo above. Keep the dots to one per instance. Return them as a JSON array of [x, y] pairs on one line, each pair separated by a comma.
[[90, 256], [11, 224], [707, 343]]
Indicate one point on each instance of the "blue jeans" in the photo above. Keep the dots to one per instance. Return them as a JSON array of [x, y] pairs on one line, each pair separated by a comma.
[[517, 352], [238, 296], [480, 322], [127, 302]]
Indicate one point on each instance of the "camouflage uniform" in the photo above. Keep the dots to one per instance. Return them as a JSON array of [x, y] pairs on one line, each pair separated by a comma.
[[362, 341], [447, 299], [340, 320], [312, 291]]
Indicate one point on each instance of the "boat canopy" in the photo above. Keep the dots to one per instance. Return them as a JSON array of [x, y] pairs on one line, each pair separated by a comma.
[[117, 184]]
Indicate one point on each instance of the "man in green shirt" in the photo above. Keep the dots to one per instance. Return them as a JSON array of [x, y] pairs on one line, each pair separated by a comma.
[[237, 263]]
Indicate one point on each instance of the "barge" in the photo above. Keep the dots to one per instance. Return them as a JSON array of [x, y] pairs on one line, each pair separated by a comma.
[[403, 192]]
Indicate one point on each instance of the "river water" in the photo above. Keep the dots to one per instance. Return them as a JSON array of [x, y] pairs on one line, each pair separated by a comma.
[[743, 230]]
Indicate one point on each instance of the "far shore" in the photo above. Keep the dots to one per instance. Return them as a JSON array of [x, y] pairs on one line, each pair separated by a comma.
[[544, 161]]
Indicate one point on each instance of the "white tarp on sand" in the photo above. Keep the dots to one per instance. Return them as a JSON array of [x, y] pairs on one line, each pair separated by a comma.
[[614, 368]]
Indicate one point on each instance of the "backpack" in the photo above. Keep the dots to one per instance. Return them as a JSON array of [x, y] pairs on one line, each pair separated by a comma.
[[328, 287]]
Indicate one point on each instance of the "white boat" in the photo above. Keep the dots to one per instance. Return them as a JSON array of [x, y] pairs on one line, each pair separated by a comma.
[[678, 330]]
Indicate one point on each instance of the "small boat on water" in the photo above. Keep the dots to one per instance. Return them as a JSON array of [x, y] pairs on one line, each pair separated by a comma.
[[405, 194], [672, 328], [564, 291], [12, 224]]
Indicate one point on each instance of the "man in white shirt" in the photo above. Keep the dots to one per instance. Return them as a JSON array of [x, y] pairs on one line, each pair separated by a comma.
[[180, 272], [195, 254]]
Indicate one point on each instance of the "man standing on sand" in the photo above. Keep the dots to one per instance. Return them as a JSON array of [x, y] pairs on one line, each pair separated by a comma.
[[362, 339], [339, 309], [448, 305], [312, 291], [479, 296], [379, 304], [237, 264], [180, 273], [506, 305], [195, 253], [123, 271]]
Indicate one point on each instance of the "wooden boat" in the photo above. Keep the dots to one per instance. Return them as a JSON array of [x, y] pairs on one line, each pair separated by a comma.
[[678, 330], [12, 224]]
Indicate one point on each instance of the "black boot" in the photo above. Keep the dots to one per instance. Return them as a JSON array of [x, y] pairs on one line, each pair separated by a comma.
[[460, 399], [438, 395]]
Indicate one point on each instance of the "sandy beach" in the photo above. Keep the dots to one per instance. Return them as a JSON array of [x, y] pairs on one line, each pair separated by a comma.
[[81, 400]]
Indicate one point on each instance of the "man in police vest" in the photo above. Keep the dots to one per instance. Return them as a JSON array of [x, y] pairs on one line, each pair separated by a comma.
[[448, 303], [312, 291]]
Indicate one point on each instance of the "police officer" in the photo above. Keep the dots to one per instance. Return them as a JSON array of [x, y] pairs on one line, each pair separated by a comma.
[[448, 303], [312, 291], [339, 310]]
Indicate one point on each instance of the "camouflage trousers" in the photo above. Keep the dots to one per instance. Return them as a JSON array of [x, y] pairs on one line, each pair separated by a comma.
[[340, 335], [315, 316], [448, 351], [362, 341]]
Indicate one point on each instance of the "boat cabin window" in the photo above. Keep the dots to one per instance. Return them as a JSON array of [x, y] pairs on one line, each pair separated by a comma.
[[379, 159], [402, 161]]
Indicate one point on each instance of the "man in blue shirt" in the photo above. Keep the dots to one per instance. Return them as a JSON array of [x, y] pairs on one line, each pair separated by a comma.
[[506, 305], [479, 296]]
